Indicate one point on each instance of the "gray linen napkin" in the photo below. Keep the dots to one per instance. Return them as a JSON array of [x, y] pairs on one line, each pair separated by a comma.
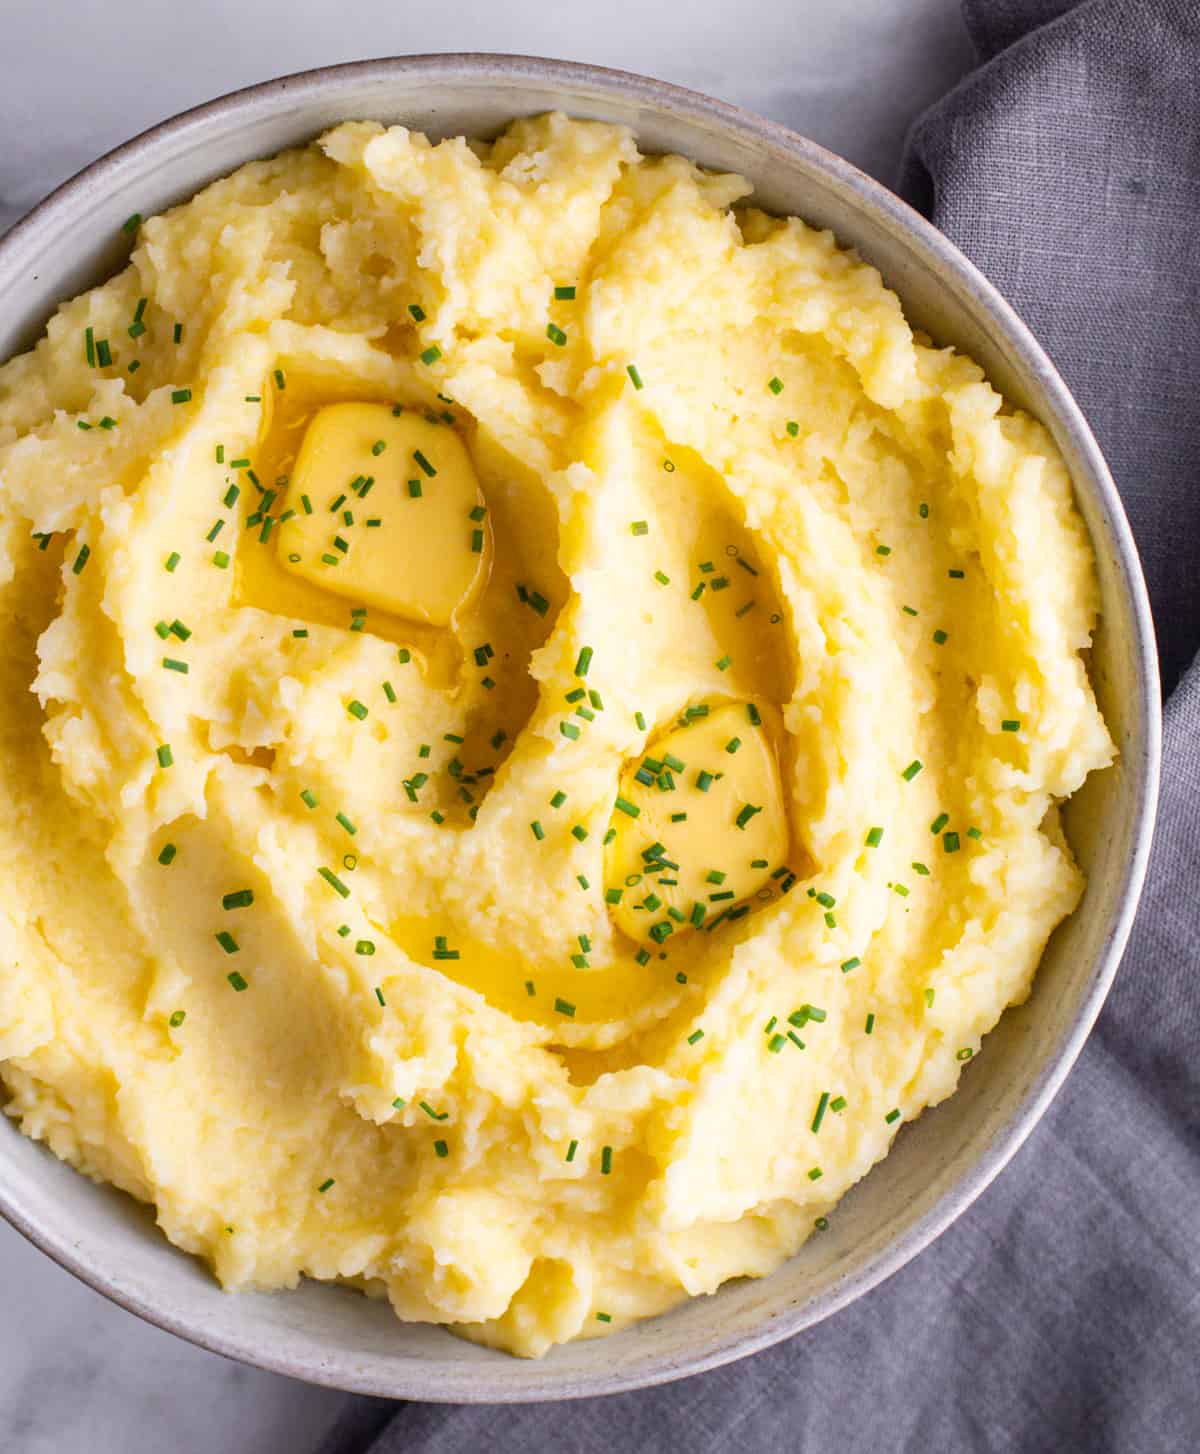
[[1063, 1311]]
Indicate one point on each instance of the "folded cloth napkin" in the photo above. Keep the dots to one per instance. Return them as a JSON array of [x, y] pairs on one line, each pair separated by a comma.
[[1062, 1312]]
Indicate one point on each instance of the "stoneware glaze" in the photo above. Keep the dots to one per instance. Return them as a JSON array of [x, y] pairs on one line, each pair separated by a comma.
[[939, 1164]]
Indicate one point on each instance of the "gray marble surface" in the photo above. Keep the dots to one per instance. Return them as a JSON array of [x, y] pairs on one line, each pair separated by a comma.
[[78, 1375]]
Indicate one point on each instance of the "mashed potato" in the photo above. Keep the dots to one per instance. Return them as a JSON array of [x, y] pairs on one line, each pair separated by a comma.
[[544, 907]]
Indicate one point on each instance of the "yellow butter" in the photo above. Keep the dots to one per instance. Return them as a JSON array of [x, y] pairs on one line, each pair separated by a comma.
[[733, 834], [430, 552]]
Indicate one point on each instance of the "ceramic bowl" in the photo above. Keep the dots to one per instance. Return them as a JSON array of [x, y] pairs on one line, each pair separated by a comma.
[[940, 1163]]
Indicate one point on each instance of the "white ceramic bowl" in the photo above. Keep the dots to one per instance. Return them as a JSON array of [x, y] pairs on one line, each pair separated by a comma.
[[940, 1163]]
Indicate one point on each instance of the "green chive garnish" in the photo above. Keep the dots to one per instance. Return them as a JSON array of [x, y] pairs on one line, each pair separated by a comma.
[[334, 882]]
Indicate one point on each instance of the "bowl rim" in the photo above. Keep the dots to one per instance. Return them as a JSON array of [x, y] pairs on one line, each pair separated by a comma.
[[413, 1383]]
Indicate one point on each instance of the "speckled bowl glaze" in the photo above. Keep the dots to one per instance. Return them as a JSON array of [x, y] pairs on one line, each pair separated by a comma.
[[939, 1164]]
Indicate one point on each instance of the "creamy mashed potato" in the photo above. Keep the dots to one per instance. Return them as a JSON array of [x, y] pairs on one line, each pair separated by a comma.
[[543, 907]]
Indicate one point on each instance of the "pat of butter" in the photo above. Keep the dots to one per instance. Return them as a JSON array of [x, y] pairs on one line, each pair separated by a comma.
[[415, 541], [709, 842]]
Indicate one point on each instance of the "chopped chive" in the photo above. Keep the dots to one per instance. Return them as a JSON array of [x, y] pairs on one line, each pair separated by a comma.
[[431, 354], [819, 1114], [426, 467], [793, 428], [365, 947], [640, 721], [558, 799], [564, 1007], [177, 1018], [403, 655], [874, 837], [639, 527], [172, 663], [940, 637], [236, 980], [241, 899], [537, 830], [606, 1155], [892, 1116], [220, 559], [356, 709], [634, 375], [334, 882], [441, 1148], [130, 226], [103, 353], [345, 823], [177, 333], [950, 842], [164, 755], [564, 294], [724, 663], [180, 396], [167, 854], [913, 768], [775, 385], [929, 995], [579, 833], [569, 729], [81, 560], [869, 1026], [747, 812], [280, 381], [630, 809], [921, 868], [964, 1054], [555, 335], [1010, 725], [571, 1150], [309, 798], [849, 964], [389, 691], [417, 312], [227, 942]]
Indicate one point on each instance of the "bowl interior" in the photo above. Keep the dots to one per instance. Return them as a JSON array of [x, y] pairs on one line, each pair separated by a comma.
[[940, 1162]]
